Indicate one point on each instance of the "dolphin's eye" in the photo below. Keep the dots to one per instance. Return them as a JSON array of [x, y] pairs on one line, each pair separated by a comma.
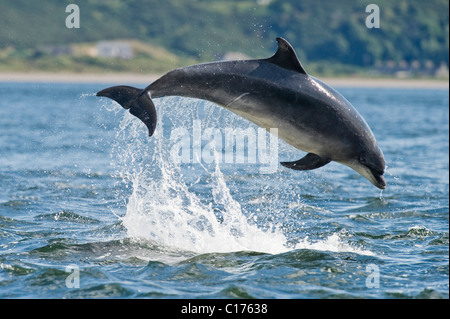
[[361, 159]]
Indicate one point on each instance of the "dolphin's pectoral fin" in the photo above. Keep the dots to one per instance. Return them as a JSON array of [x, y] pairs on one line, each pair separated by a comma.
[[310, 161], [138, 101]]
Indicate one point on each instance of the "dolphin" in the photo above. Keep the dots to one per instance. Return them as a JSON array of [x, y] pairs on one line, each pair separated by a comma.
[[272, 93]]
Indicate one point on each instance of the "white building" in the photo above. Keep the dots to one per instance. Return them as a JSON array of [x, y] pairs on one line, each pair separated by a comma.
[[114, 49]]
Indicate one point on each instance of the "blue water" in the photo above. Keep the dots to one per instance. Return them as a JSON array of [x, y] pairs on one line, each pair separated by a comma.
[[91, 207]]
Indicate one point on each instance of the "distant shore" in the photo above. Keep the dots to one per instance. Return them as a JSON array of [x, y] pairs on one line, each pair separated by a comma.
[[128, 78]]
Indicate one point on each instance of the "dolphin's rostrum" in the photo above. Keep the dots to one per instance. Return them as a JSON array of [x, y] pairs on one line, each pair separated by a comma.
[[272, 93]]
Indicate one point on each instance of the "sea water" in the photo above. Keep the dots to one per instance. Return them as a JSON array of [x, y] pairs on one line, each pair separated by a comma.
[[90, 206]]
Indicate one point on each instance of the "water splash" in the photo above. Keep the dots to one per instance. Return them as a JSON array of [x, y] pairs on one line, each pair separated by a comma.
[[163, 208], [190, 207]]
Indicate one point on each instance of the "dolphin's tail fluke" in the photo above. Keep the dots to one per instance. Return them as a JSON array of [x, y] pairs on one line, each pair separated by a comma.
[[138, 101]]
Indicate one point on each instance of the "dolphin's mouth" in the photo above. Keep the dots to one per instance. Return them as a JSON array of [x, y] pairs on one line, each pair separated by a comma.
[[378, 180], [376, 177]]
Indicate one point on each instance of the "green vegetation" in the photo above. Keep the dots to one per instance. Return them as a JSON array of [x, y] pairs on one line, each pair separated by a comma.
[[77, 58], [330, 37]]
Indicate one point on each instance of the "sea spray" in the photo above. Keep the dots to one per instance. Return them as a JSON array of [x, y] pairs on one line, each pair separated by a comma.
[[163, 208], [191, 207]]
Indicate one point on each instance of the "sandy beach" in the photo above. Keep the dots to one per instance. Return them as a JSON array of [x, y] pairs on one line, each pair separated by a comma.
[[129, 78]]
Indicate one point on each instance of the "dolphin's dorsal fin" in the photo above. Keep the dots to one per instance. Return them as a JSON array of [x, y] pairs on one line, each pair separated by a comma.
[[286, 58]]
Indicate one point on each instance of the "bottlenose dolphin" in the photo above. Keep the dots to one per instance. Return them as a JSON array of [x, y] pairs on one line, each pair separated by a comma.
[[272, 93]]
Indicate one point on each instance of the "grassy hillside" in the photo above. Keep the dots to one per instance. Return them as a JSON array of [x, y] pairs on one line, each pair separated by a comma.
[[78, 58], [329, 36]]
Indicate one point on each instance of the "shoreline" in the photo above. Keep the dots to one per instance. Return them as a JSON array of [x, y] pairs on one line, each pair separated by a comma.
[[124, 78]]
